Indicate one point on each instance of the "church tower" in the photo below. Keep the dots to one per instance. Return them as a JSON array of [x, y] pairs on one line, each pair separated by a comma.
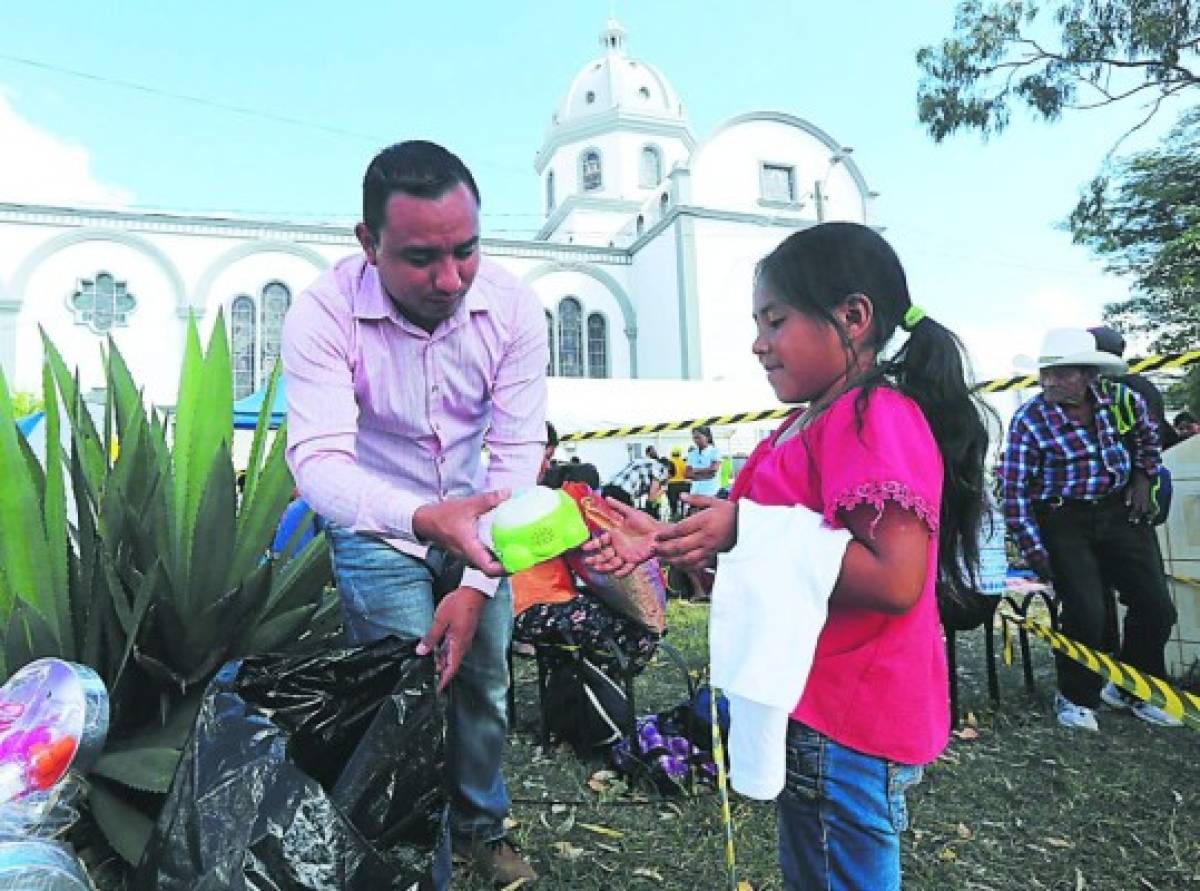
[[611, 143]]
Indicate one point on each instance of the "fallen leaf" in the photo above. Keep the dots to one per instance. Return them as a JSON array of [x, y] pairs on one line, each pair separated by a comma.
[[967, 733], [947, 855], [1080, 884], [612, 849], [602, 830], [1058, 842], [743, 885], [568, 851], [643, 872], [513, 886]]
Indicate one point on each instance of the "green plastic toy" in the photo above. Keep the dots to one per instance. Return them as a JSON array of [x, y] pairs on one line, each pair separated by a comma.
[[535, 525]]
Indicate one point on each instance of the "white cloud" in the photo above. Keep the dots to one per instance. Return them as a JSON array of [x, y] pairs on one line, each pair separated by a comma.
[[37, 167]]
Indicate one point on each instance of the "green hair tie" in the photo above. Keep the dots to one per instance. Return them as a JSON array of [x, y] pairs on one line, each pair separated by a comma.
[[912, 318]]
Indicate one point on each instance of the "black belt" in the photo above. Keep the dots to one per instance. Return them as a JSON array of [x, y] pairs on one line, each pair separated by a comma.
[[1055, 502]]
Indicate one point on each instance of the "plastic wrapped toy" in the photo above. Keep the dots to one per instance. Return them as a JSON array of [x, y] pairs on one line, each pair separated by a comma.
[[53, 715], [534, 525]]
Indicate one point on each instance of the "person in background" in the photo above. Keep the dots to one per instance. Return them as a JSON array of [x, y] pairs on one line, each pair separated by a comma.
[[548, 454], [1076, 498], [1186, 425], [703, 464], [638, 483], [1109, 340], [677, 482], [297, 527], [401, 364]]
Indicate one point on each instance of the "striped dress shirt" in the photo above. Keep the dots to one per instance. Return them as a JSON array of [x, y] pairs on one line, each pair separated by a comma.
[[384, 417], [1049, 456]]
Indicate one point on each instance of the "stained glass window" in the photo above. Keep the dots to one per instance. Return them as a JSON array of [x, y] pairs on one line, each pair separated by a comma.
[[590, 173], [570, 338], [597, 340], [102, 303], [243, 325], [275, 300]]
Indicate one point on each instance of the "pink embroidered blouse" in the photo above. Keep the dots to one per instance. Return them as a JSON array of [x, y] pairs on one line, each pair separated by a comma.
[[879, 682]]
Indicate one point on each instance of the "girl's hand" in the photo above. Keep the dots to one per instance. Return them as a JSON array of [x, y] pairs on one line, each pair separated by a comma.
[[620, 551], [693, 543]]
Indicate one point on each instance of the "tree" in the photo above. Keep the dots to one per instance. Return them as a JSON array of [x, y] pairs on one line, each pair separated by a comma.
[[1082, 54], [1142, 216]]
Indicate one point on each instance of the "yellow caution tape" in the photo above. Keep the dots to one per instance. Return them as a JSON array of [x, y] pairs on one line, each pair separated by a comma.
[[1177, 703], [723, 787], [1165, 362]]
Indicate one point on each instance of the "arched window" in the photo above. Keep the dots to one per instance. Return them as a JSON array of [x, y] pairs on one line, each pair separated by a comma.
[[597, 335], [550, 191], [102, 303], [590, 172], [275, 301], [640, 225], [243, 336], [550, 343], [650, 169], [663, 201], [570, 337]]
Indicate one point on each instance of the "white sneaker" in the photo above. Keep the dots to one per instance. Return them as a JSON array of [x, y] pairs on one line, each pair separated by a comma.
[[1114, 697], [1074, 716], [1117, 698]]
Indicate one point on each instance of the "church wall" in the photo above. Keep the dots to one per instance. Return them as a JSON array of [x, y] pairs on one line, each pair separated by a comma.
[[726, 171], [726, 255], [151, 342], [654, 288]]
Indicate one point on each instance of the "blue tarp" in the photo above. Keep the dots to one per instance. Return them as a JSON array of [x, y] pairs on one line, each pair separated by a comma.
[[245, 411], [26, 424]]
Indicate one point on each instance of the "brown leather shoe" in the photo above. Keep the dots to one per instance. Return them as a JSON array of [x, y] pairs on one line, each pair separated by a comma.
[[497, 861]]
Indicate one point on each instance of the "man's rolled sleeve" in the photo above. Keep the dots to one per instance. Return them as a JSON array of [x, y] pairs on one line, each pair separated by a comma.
[[323, 426]]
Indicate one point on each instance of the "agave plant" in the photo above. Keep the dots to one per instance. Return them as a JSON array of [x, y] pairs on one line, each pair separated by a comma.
[[164, 575]]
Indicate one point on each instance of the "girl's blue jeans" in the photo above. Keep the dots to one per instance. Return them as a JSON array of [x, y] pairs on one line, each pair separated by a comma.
[[840, 816], [384, 591]]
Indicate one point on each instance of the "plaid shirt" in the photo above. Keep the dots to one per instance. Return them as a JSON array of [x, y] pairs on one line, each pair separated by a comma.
[[636, 476], [1050, 456]]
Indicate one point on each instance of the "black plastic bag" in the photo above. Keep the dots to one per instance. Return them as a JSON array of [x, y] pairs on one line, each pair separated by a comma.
[[308, 772]]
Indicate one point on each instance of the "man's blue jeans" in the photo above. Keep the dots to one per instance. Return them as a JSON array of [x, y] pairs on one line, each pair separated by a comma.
[[384, 591], [840, 816]]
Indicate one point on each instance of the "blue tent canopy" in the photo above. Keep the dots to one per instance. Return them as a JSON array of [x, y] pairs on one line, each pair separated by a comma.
[[245, 411], [26, 424]]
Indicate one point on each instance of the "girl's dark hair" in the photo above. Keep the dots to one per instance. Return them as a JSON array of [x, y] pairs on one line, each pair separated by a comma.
[[813, 271], [582, 473]]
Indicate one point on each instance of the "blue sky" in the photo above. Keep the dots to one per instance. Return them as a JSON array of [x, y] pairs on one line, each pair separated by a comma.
[[974, 222]]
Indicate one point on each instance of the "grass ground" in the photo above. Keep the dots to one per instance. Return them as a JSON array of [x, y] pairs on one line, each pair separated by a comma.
[[1014, 802]]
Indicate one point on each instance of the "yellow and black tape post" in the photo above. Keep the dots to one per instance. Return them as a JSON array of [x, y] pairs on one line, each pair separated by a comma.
[[1167, 362], [1178, 703]]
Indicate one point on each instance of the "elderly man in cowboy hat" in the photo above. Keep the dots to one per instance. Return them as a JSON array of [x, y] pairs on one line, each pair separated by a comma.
[[1076, 481]]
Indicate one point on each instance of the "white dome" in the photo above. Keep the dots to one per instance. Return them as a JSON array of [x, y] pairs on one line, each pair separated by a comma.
[[616, 82]]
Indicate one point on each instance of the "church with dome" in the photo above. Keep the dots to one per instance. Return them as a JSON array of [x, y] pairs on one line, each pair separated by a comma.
[[644, 261]]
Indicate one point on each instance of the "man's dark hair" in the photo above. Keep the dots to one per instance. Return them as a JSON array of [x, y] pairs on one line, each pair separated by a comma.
[[418, 168], [1185, 417]]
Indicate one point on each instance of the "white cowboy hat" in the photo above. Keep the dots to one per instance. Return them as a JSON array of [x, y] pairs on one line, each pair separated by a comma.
[[1072, 346]]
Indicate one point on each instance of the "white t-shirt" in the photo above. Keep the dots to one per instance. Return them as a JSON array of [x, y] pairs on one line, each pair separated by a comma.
[[701, 459]]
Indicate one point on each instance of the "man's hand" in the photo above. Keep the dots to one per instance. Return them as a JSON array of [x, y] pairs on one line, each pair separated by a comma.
[[453, 525], [693, 543], [620, 551], [1137, 498], [1040, 563], [452, 631]]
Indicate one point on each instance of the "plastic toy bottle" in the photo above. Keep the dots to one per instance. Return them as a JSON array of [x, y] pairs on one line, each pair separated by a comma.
[[535, 525]]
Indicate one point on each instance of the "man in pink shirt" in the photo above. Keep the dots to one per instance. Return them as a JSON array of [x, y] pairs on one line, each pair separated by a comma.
[[400, 365]]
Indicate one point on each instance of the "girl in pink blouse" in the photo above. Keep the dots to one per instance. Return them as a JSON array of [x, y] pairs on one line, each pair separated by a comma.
[[891, 449]]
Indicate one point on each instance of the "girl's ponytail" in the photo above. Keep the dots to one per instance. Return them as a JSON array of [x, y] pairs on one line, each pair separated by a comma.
[[930, 368]]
